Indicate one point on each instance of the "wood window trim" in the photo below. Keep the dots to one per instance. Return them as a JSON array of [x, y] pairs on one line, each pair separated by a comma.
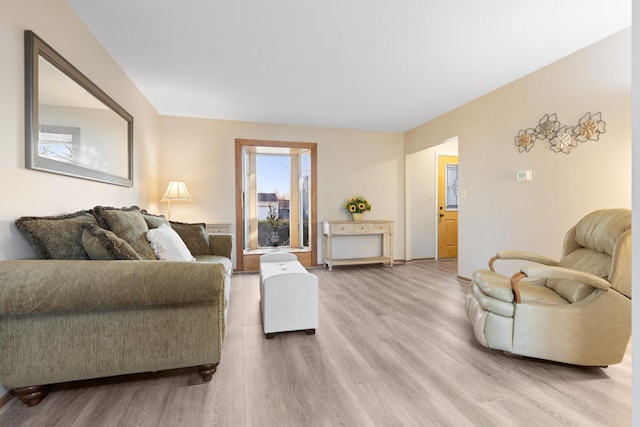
[[313, 223]]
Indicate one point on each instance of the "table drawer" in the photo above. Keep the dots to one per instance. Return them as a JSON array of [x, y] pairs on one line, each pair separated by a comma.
[[341, 228], [362, 228], [381, 228]]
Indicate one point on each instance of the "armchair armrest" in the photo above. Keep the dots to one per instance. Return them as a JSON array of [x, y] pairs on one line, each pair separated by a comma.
[[521, 255], [553, 272], [221, 244]]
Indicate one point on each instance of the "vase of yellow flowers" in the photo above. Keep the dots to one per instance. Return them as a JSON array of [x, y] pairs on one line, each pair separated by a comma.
[[357, 206]]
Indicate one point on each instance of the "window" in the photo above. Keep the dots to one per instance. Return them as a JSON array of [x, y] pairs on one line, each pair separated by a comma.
[[275, 187], [273, 183], [58, 143], [452, 187]]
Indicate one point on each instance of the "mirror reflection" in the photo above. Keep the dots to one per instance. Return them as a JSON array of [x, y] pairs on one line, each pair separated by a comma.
[[77, 128]]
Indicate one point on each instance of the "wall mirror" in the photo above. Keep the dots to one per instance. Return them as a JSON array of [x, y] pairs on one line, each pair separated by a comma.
[[72, 127]]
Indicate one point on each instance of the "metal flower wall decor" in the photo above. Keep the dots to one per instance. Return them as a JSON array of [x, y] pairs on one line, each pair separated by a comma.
[[562, 138]]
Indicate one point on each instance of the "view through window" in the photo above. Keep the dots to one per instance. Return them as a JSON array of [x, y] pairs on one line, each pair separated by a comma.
[[273, 180]]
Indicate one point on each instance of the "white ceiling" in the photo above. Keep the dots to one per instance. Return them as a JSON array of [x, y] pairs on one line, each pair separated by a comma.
[[362, 64]]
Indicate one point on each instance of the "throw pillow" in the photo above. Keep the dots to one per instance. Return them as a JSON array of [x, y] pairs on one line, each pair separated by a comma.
[[129, 225], [102, 244], [56, 237], [167, 244], [152, 220], [194, 236]]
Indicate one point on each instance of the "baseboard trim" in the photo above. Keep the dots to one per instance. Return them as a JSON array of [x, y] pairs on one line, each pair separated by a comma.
[[463, 278], [5, 398]]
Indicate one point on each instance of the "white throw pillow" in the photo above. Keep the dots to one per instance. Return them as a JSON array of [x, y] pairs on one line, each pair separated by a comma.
[[167, 245]]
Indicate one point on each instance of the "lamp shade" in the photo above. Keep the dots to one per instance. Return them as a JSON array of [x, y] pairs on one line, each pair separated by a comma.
[[177, 191]]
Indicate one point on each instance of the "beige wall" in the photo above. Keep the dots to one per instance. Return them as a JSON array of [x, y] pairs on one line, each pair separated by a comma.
[[28, 192], [499, 213], [202, 153]]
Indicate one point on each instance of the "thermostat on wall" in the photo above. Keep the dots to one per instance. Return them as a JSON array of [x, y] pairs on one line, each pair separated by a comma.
[[523, 176]]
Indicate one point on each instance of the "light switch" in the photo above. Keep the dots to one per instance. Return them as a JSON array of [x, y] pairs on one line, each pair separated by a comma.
[[524, 175]]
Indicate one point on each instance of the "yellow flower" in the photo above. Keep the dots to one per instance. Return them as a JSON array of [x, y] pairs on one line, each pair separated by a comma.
[[357, 204]]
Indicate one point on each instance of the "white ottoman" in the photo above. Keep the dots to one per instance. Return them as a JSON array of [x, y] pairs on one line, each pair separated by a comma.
[[288, 295]]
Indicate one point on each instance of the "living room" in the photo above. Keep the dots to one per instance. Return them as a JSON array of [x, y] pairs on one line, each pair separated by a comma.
[[498, 212]]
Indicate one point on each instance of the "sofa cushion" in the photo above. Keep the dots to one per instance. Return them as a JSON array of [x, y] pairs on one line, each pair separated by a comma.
[[101, 244], [586, 260], [56, 237], [600, 229], [167, 244], [129, 225], [217, 259], [152, 220], [228, 272], [194, 236], [494, 284]]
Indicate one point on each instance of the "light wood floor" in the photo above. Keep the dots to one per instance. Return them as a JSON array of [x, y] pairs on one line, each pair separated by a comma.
[[394, 348]]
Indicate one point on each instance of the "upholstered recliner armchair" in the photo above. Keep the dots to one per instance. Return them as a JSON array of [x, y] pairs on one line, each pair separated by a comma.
[[576, 310]]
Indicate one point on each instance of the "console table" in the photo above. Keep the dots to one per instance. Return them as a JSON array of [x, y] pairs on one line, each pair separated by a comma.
[[358, 228]]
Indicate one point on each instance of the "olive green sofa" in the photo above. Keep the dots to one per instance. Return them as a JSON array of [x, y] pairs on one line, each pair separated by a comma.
[[73, 319]]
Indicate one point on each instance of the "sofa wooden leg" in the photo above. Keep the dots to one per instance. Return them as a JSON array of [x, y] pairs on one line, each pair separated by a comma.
[[32, 395], [270, 335], [207, 371], [310, 331]]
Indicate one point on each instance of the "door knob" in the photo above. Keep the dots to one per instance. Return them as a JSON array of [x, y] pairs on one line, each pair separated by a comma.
[[441, 215]]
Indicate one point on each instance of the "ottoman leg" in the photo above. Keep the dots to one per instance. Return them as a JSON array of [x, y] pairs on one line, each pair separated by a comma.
[[270, 335], [310, 331]]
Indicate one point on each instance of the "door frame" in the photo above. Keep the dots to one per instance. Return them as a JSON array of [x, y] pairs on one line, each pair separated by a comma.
[[435, 205]]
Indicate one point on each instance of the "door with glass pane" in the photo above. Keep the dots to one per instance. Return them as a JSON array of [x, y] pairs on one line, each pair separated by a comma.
[[448, 206]]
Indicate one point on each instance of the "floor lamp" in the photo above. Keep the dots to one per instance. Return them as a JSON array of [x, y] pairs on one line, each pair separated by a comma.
[[176, 192]]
